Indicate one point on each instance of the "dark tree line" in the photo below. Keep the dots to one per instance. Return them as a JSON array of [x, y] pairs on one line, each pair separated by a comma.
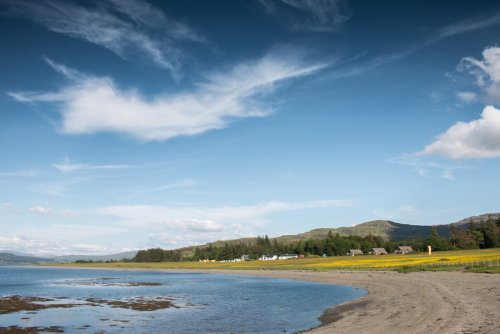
[[485, 234], [158, 255]]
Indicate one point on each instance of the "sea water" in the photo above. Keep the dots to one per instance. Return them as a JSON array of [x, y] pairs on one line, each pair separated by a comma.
[[205, 303]]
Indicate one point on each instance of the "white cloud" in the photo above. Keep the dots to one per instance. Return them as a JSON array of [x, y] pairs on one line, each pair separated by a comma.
[[184, 183], [5, 205], [40, 210], [88, 249], [475, 139], [48, 211], [427, 169], [123, 27], [69, 232], [168, 240], [49, 247], [188, 225], [489, 66], [67, 167], [486, 71], [310, 15], [92, 104], [467, 97], [201, 215]]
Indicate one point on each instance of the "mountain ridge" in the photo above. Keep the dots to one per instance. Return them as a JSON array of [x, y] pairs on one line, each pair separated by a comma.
[[9, 258], [386, 229]]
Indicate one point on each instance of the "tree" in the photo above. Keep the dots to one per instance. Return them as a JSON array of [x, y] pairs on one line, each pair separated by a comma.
[[330, 244], [437, 242], [491, 233]]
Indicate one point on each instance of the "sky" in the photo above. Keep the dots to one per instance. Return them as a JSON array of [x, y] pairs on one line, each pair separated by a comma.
[[129, 124]]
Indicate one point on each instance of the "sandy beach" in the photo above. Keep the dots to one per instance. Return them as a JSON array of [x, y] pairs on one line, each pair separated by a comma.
[[421, 302]]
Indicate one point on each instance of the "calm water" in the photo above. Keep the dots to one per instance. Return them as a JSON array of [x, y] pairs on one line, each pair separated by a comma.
[[207, 303]]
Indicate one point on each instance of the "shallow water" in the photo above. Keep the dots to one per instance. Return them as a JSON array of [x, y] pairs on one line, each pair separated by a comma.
[[204, 303]]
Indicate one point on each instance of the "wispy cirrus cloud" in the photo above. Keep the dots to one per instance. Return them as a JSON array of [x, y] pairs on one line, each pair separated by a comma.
[[478, 138], [310, 15], [426, 168], [123, 27], [359, 64], [66, 166], [19, 173], [184, 183], [95, 104], [468, 25]]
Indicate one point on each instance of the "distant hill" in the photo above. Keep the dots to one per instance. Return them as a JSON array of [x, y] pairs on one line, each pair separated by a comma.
[[478, 219], [8, 258], [383, 228], [109, 257], [11, 257]]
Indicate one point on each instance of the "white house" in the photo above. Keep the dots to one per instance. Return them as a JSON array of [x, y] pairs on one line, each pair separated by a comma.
[[288, 256], [268, 257]]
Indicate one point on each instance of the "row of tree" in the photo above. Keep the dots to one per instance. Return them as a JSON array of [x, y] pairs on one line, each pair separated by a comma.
[[476, 235], [158, 255]]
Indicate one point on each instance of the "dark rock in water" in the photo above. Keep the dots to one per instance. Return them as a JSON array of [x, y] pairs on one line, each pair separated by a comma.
[[30, 330], [137, 304], [16, 303]]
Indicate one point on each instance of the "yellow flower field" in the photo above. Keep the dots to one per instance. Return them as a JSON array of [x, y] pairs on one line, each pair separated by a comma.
[[451, 260]]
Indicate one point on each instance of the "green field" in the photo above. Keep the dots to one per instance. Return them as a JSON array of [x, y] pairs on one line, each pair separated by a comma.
[[481, 260]]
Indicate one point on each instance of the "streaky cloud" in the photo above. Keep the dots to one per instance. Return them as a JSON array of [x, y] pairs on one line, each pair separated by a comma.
[[95, 104], [310, 15], [68, 167], [435, 35], [184, 183], [123, 27], [426, 168]]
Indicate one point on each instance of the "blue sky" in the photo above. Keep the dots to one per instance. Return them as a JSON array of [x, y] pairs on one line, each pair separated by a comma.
[[132, 124]]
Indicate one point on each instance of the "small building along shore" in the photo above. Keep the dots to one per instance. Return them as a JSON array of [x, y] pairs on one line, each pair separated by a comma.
[[378, 251], [403, 250], [354, 252]]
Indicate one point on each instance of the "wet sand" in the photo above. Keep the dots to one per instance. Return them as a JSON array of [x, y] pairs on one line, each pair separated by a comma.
[[421, 302]]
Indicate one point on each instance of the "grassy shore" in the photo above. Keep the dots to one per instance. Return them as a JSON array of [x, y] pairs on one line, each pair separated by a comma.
[[480, 260]]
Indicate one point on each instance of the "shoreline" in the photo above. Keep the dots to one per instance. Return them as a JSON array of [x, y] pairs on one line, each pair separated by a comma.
[[417, 302]]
